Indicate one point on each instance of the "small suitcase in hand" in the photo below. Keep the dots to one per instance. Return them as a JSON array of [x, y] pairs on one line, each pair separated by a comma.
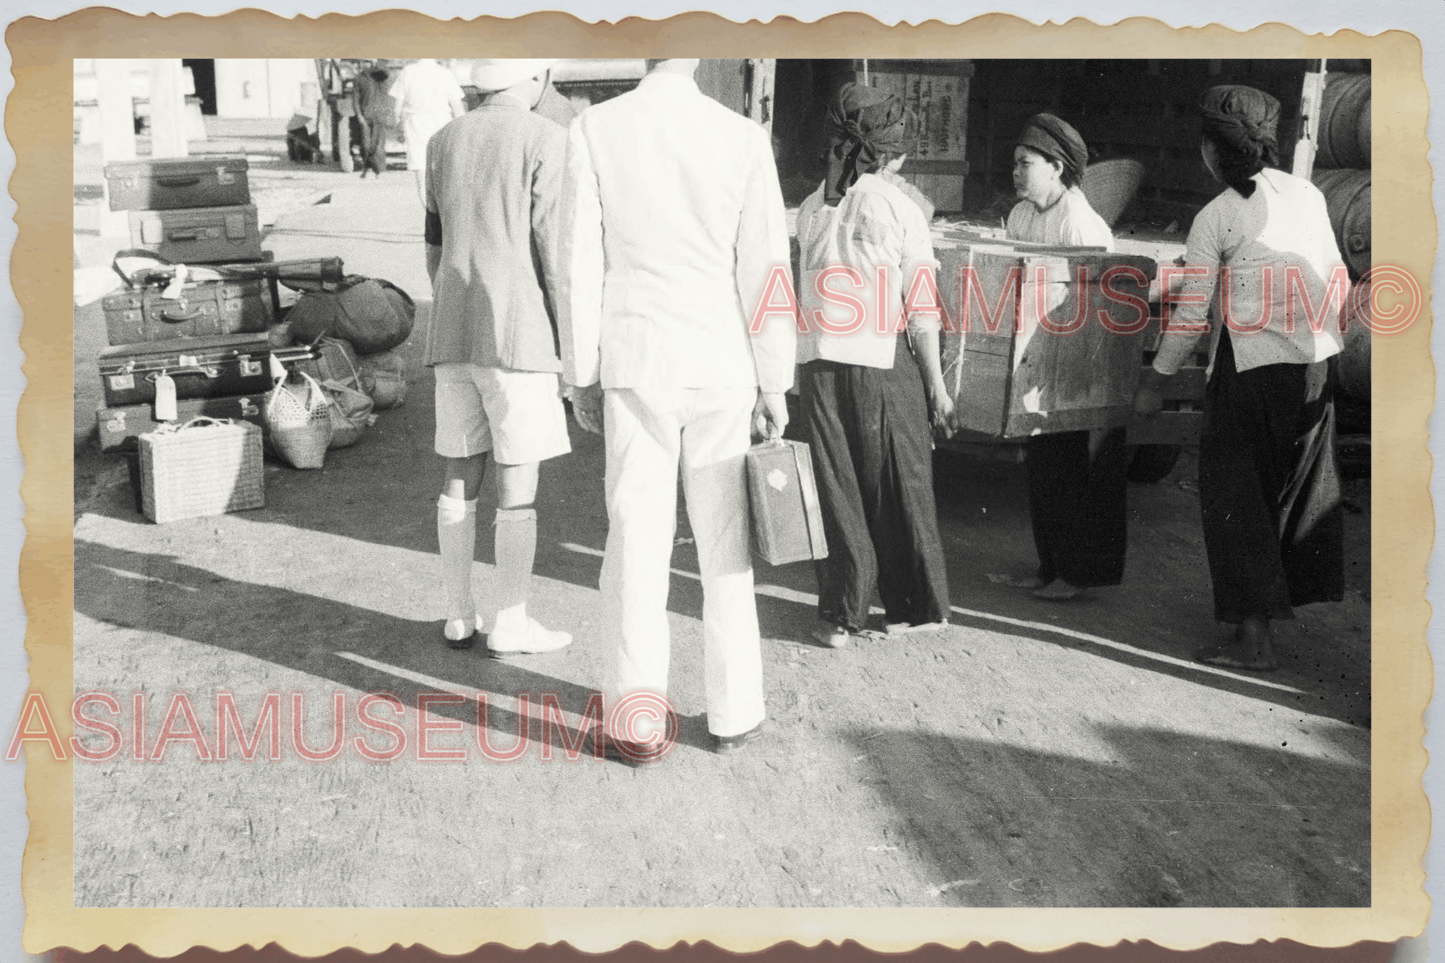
[[787, 519]]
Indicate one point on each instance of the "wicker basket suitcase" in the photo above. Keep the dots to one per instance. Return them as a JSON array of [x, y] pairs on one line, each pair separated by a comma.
[[202, 467]]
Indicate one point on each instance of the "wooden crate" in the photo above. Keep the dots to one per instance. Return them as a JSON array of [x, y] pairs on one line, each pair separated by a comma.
[[1037, 371], [936, 92]]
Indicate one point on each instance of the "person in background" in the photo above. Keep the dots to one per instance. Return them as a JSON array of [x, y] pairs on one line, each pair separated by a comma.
[[373, 118], [427, 97], [494, 181], [868, 394], [1269, 488], [1078, 480], [676, 223]]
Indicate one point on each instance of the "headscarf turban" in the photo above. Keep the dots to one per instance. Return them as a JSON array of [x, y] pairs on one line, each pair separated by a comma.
[[1242, 117], [1055, 139], [864, 123]]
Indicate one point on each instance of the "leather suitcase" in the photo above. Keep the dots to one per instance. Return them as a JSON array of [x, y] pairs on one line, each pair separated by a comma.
[[228, 365], [199, 235], [783, 497], [207, 308], [119, 427], [174, 183]]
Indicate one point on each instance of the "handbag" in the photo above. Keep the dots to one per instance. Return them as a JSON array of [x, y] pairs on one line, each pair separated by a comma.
[[299, 422]]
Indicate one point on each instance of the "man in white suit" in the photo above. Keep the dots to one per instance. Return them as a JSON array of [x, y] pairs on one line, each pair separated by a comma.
[[674, 222]]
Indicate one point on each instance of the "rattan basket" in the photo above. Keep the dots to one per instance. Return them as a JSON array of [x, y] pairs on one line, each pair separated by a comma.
[[1110, 185], [203, 467]]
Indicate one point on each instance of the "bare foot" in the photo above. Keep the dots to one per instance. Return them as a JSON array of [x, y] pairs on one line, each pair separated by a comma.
[[831, 636], [1252, 649], [1057, 591]]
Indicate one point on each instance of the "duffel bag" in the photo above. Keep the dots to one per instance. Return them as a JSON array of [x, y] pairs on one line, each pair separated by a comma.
[[373, 314], [383, 376]]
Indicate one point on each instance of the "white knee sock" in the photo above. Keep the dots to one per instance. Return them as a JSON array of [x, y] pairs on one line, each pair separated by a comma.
[[457, 540], [515, 534]]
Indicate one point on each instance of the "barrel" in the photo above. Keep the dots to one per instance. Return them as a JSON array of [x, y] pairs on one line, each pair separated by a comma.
[[1344, 137], [1354, 370], [1347, 195]]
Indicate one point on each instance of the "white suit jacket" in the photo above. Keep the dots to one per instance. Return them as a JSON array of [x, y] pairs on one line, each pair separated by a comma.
[[672, 225]]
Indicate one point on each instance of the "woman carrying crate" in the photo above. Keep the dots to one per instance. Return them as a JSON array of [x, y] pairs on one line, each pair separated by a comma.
[[1078, 480], [870, 385], [1269, 487]]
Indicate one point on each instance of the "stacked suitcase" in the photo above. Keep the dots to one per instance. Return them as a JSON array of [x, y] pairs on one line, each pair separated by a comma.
[[205, 342]]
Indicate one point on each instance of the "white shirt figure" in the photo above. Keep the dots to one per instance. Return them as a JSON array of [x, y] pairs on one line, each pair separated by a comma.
[[1283, 228], [1069, 222], [875, 217], [676, 221], [427, 97]]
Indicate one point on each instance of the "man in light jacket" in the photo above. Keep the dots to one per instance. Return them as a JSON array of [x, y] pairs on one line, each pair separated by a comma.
[[674, 222], [493, 189]]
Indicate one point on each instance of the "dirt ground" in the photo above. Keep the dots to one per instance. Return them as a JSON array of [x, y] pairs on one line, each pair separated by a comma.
[[1032, 754]]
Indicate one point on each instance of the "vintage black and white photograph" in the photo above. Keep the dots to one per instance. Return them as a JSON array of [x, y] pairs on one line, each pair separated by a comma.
[[880, 483]]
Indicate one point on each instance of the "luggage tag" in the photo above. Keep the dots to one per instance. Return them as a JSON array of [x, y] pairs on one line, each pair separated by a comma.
[[175, 291], [165, 398]]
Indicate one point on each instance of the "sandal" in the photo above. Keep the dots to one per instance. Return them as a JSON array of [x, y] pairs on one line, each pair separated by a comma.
[[904, 628]]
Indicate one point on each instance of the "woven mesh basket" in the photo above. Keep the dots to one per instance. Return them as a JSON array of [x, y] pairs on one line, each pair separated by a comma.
[[203, 467], [300, 429]]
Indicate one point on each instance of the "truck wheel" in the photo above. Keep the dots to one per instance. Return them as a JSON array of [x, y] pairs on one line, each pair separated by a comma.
[[1151, 463]]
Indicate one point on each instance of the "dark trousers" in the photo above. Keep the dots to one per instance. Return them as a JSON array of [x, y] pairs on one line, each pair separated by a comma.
[[1078, 505], [1269, 488], [370, 135], [873, 458]]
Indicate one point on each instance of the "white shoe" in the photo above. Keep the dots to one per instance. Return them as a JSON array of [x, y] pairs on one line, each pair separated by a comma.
[[461, 633], [505, 642]]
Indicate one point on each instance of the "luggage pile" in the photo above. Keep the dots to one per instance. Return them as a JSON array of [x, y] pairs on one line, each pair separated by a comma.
[[198, 339]]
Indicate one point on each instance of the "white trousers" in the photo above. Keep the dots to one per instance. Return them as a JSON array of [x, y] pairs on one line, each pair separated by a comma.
[[708, 431], [419, 129]]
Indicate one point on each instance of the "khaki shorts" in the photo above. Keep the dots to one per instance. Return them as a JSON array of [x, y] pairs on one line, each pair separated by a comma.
[[516, 415]]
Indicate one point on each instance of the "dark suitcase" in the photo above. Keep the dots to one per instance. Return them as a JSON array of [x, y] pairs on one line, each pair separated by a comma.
[[167, 185], [228, 365], [783, 498], [199, 235], [207, 308], [119, 427]]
